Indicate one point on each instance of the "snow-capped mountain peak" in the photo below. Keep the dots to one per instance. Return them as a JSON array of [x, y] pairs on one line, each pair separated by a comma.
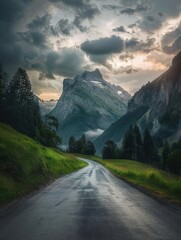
[[88, 103]]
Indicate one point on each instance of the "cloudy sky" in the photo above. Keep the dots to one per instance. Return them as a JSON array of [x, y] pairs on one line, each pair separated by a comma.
[[130, 41]]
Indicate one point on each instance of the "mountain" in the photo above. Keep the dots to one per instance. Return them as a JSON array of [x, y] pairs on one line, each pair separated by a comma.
[[157, 106], [89, 105], [46, 106]]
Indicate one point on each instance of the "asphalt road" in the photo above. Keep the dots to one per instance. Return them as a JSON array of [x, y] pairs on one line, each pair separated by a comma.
[[90, 204]]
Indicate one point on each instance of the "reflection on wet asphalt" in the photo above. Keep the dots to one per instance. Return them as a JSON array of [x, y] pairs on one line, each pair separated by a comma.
[[90, 204]]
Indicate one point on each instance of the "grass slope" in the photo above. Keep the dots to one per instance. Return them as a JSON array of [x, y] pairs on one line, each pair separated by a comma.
[[25, 164], [157, 182]]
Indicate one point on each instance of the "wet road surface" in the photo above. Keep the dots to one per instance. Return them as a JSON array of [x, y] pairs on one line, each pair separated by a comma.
[[90, 204]]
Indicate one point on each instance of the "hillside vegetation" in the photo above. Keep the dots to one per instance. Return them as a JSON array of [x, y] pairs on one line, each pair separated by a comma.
[[25, 164], [154, 181]]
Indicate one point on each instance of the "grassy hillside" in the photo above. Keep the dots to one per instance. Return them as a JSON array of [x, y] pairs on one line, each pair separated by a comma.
[[25, 164], [156, 182]]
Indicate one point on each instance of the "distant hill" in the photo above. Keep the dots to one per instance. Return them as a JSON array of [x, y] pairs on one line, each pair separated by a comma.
[[89, 105]]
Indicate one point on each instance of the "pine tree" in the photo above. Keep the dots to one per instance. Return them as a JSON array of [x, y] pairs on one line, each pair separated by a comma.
[[165, 155], [52, 122], [138, 144], [3, 84], [71, 145], [81, 144], [109, 150], [19, 89], [128, 144], [22, 109], [148, 147], [89, 148]]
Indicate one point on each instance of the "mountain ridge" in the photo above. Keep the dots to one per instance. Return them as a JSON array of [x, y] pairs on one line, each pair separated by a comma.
[[161, 99], [88, 102]]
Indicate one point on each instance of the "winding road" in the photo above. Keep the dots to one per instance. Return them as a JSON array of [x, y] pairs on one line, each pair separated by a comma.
[[90, 204]]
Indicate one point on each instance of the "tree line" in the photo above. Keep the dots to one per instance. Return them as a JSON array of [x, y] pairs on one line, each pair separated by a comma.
[[143, 148], [171, 157], [82, 146], [134, 147], [20, 108]]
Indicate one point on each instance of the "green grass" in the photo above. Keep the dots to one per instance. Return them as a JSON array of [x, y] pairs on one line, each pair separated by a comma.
[[156, 182], [25, 164]]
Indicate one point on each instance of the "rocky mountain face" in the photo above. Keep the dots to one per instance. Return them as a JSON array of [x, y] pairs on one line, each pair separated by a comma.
[[46, 106], [89, 105], [156, 106]]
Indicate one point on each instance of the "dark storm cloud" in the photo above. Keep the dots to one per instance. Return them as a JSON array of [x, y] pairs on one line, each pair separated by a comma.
[[132, 25], [63, 26], [31, 48], [103, 46], [160, 11], [150, 18], [174, 48], [126, 57], [131, 71], [131, 11], [171, 36], [137, 45], [120, 29], [171, 41], [101, 49], [43, 23], [78, 24], [11, 12], [150, 23], [121, 9], [66, 63], [34, 38], [40, 22], [160, 14], [46, 75], [25, 32], [111, 7], [84, 9], [100, 59]]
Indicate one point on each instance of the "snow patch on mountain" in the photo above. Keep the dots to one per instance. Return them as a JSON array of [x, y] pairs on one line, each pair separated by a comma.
[[89, 104], [120, 92], [99, 84]]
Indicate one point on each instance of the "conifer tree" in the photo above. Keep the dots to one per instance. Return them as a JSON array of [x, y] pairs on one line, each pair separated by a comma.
[[148, 147], [128, 144], [81, 146], [89, 148], [165, 155], [138, 144], [3, 84], [71, 145], [109, 150], [23, 111]]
